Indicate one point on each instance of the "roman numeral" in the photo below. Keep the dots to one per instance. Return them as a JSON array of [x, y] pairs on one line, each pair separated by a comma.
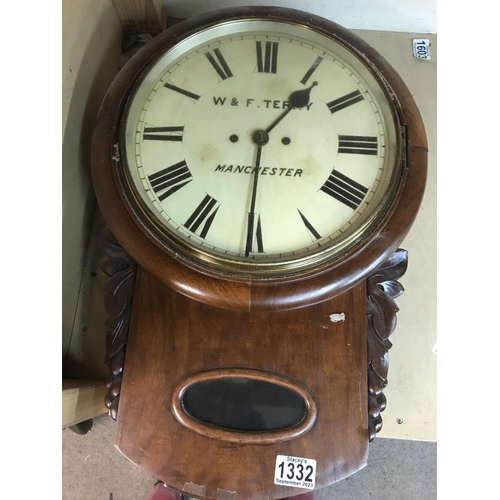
[[203, 215], [267, 57], [156, 133], [311, 70], [220, 65], [181, 91], [358, 144], [344, 189], [309, 226], [254, 233], [170, 179], [344, 101]]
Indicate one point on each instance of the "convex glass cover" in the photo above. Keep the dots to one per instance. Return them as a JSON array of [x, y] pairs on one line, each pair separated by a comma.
[[261, 146]]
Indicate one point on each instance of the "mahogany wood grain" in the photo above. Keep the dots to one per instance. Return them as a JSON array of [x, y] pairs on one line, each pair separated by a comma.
[[198, 281], [173, 337]]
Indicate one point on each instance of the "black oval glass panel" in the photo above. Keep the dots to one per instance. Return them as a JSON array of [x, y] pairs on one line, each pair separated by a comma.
[[244, 404]]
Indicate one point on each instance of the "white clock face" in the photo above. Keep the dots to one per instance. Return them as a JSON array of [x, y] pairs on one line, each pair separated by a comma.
[[259, 142]]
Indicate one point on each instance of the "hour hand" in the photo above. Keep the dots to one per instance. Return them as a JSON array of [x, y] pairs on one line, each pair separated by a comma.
[[298, 99]]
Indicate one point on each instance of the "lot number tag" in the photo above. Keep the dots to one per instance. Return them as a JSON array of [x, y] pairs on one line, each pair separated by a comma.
[[421, 48], [295, 472]]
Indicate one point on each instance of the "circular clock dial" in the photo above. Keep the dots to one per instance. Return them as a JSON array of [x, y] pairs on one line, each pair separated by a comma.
[[261, 145]]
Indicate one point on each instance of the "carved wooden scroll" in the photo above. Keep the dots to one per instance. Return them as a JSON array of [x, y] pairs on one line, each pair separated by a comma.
[[382, 289], [118, 295]]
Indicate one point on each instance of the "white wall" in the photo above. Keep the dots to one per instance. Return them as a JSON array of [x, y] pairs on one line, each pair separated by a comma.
[[411, 16]]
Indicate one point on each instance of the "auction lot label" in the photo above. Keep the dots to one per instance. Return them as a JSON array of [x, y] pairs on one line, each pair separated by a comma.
[[296, 472]]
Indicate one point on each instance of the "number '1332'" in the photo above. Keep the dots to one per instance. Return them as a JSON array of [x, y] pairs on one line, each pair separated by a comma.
[[296, 471]]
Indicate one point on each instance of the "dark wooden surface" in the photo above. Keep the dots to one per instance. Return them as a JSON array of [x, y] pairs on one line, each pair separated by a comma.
[[172, 337], [244, 294], [382, 289], [118, 296]]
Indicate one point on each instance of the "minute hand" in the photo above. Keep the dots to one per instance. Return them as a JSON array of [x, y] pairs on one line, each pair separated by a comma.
[[251, 214], [297, 99]]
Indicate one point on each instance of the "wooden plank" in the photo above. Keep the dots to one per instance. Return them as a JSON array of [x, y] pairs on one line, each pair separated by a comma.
[[411, 411], [141, 16], [411, 392], [82, 400]]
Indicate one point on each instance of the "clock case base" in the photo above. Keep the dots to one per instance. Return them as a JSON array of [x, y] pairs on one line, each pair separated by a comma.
[[343, 364]]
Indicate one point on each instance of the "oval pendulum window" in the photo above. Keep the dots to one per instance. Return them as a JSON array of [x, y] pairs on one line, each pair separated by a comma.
[[244, 403]]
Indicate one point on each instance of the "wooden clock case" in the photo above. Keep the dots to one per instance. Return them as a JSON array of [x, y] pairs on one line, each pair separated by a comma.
[[182, 322]]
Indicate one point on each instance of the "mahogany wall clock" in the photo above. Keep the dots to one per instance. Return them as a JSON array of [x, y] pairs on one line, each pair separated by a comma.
[[261, 166]]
